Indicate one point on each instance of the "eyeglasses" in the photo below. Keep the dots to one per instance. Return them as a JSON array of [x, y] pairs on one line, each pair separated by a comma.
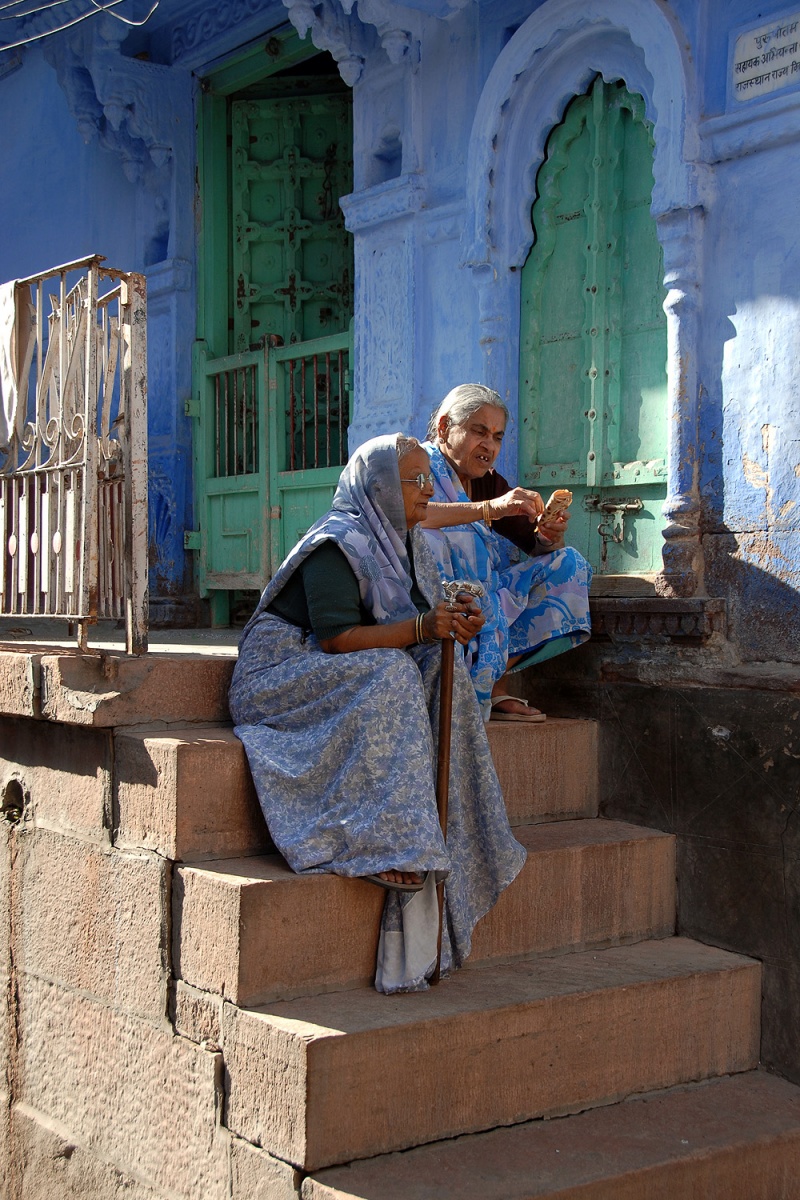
[[421, 480]]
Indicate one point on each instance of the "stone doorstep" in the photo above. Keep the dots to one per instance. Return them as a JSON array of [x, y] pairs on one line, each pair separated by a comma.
[[736, 1138], [586, 883], [328, 1079], [187, 793]]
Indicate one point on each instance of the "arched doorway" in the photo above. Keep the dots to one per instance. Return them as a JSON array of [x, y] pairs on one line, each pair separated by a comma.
[[593, 396]]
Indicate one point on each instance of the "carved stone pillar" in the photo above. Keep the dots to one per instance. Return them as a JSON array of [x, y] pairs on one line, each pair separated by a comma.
[[498, 290], [381, 221], [679, 233]]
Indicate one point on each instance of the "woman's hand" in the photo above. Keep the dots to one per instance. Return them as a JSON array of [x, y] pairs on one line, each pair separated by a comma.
[[552, 530], [462, 619], [519, 502]]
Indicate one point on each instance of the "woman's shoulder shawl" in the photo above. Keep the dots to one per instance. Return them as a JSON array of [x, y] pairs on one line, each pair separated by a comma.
[[384, 580]]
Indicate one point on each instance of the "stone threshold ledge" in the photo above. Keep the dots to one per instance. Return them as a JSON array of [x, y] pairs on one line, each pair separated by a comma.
[[692, 621]]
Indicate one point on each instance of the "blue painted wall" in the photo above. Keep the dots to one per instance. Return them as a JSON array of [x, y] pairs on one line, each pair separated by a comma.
[[73, 186]]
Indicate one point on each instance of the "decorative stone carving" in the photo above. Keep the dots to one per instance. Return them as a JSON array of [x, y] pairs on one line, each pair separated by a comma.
[[334, 30], [130, 105], [212, 22], [689, 621], [340, 27], [383, 202], [679, 233]]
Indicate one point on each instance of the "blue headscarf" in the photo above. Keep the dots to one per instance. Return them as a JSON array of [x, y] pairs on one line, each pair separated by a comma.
[[367, 521]]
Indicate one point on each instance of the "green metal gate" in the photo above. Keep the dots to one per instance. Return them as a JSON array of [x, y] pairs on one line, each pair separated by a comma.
[[272, 435], [593, 345]]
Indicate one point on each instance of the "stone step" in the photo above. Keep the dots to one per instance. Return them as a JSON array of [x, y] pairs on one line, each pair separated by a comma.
[[108, 689], [729, 1139], [586, 883], [187, 792], [547, 772], [327, 1079]]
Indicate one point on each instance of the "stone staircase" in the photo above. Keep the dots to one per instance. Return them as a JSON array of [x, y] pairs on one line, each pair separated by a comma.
[[583, 1052], [577, 997]]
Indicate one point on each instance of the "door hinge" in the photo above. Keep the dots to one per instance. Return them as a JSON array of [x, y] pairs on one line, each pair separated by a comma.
[[191, 407], [191, 539], [275, 512]]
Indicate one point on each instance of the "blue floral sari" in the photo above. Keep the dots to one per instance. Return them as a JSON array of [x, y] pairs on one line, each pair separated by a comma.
[[342, 747], [537, 607]]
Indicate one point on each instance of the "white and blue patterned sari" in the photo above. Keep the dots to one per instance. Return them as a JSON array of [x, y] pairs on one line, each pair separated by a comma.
[[537, 607], [342, 747]]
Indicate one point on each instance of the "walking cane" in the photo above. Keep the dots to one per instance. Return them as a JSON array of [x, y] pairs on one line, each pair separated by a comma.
[[451, 588]]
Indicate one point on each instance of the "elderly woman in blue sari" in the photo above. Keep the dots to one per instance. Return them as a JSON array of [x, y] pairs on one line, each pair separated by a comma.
[[335, 698], [536, 589]]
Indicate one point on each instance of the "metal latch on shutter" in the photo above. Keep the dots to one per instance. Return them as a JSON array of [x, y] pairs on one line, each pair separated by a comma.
[[612, 527]]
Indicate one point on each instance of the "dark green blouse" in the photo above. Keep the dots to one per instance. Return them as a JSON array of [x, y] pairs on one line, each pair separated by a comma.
[[322, 595]]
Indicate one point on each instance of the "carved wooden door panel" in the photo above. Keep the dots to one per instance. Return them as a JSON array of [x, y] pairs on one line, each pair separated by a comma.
[[593, 334], [293, 273], [292, 256]]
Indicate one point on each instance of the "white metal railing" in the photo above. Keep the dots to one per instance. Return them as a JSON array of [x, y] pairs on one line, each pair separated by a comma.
[[73, 448]]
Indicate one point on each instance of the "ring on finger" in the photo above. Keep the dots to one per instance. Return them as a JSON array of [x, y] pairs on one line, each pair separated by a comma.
[[450, 608]]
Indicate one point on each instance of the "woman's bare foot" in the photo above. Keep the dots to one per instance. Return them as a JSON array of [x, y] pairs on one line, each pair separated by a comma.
[[510, 708], [400, 877]]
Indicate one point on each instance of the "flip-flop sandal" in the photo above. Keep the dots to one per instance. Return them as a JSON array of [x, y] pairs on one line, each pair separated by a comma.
[[393, 887], [532, 717]]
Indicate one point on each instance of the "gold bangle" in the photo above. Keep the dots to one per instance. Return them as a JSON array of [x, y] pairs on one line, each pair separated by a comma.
[[487, 514]]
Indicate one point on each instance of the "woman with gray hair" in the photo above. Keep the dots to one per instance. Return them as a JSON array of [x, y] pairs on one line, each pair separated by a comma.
[[536, 589]]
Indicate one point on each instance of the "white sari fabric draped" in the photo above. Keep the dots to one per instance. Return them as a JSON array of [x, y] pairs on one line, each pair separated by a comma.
[[535, 607], [342, 747]]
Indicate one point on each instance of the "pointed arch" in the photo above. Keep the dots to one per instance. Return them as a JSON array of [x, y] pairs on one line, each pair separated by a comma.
[[552, 57]]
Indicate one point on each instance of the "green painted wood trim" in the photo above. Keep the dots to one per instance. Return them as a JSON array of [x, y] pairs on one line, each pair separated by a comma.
[[336, 341], [280, 49]]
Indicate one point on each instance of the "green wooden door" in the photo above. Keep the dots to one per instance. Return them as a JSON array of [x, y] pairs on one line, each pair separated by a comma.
[[277, 271], [593, 342]]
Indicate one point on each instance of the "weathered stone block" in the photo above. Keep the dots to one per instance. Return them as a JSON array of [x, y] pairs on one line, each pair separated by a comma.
[[718, 767], [488, 1047], [19, 674], [585, 883], [547, 772], [256, 1175], [110, 689], [187, 794], [7, 837], [95, 920], [248, 928], [140, 1097], [196, 1015], [50, 1166], [65, 773]]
